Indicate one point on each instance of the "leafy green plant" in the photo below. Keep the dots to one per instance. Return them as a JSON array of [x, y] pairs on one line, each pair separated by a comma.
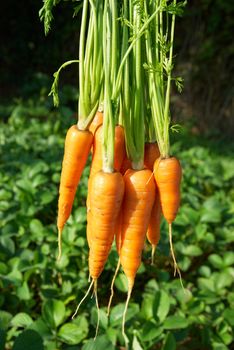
[[39, 295]]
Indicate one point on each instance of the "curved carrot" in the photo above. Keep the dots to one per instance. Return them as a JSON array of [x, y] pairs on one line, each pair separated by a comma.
[[77, 148], [151, 154], [106, 194], [168, 175]]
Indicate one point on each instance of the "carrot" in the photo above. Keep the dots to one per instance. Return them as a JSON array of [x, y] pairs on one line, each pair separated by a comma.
[[97, 160], [96, 122], [153, 232], [137, 205], [126, 164], [77, 147], [106, 194], [168, 175], [151, 154]]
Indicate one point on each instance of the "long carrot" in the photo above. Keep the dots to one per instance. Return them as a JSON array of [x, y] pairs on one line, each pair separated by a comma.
[[106, 194], [168, 175], [137, 205], [153, 232], [77, 148]]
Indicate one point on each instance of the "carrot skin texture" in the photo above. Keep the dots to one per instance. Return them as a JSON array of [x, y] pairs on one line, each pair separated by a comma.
[[136, 209], [96, 122], [153, 232], [168, 175], [106, 195], [77, 148], [151, 154], [97, 150]]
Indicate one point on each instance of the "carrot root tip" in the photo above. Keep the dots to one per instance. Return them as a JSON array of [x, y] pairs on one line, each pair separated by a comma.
[[83, 299], [124, 317], [176, 267], [153, 254], [112, 287], [98, 310]]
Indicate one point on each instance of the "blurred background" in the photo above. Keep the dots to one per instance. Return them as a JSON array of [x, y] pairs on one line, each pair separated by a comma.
[[39, 295]]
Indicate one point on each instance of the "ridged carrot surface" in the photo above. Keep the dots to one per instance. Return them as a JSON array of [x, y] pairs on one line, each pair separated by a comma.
[[77, 148], [151, 154], [168, 175], [136, 209], [106, 194]]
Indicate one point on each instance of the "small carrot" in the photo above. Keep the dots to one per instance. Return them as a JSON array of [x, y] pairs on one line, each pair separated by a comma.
[[151, 154], [77, 147], [136, 209], [168, 175], [126, 164]]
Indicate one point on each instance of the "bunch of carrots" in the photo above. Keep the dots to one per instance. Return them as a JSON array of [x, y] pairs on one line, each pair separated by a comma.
[[125, 75]]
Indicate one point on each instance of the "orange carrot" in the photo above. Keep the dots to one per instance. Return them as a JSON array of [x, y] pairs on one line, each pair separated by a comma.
[[106, 194], [77, 147], [137, 205], [153, 232], [96, 122], [97, 149], [126, 164], [168, 175], [151, 154]]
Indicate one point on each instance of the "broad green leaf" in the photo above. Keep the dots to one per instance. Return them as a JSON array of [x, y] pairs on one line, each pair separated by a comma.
[[41, 327], [21, 320], [101, 342], [7, 245], [28, 339], [36, 226], [117, 313], [103, 318], [216, 261], [72, 334], [192, 250], [150, 331], [121, 283], [135, 344], [229, 316], [170, 342], [147, 307], [161, 305], [5, 318], [53, 312], [228, 258], [175, 322], [23, 292]]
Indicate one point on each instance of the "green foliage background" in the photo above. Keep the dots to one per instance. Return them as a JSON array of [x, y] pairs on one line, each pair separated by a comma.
[[39, 295]]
